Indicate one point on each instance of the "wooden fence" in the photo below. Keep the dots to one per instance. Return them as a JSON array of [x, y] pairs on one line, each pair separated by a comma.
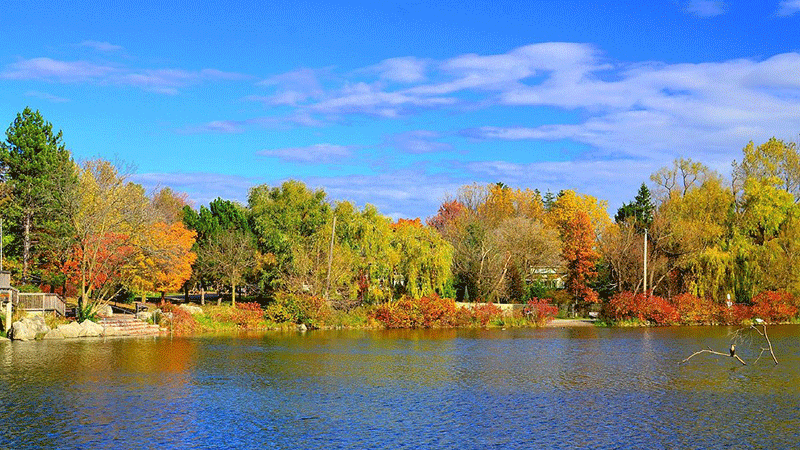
[[42, 302]]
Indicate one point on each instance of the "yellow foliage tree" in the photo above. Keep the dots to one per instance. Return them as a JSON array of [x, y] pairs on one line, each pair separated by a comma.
[[569, 204], [164, 260]]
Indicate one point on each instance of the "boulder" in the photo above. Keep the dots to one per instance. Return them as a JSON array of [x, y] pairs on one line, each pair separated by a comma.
[[36, 324], [71, 330], [92, 329], [302, 328], [144, 315], [191, 309], [20, 332], [54, 334], [105, 311]]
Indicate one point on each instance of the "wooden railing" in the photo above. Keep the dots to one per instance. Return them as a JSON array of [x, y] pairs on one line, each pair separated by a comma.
[[42, 302]]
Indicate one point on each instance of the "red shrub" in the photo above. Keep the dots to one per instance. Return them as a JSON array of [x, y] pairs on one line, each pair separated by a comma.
[[182, 321], [437, 311], [248, 315], [695, 310], [402, 313], [626, 305], [775, 306], [432, 312], [539, 311], [660, 311], [736, 314], [485, 312]]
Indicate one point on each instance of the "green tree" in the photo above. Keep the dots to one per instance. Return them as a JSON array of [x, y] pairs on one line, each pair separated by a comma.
[[640, 210], [231, 255], [220, 217], [35, 165], [285, 221]]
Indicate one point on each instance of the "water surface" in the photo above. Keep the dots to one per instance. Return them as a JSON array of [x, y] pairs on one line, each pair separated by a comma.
[[528, 388]]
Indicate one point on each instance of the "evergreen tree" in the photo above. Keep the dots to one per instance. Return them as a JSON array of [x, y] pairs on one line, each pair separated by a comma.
[[640, 209], [36, 166]]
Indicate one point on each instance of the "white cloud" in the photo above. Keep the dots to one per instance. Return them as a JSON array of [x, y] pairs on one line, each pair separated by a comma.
[[202, 188], [101, 46], [373, 100], [705, 8], [292, 88], [399, 193], [788, 7], [666, 109], [58, 71], [402, 70], [46, 96], [165, 81], [317, 153], [418, 141]]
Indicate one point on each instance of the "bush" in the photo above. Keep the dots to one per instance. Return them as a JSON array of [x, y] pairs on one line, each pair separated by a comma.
[[182, 321], [539, 311], [775, 306], [486, 312], [695, 310], [736, 315], [247, 315], [627, 306], [434, 312], [298, 308]]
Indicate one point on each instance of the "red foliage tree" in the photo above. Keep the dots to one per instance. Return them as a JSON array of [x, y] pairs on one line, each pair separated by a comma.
[[579, 253], [448, 213]]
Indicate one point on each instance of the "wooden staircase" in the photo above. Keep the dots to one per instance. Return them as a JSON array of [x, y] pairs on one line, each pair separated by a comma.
[[127, 325]]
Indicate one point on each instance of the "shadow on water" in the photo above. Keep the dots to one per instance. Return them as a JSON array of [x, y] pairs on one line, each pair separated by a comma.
[[516, 388]]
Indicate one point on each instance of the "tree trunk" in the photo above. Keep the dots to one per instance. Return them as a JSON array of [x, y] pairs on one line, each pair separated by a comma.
[[202, 295], [233, 295], [26, 246]]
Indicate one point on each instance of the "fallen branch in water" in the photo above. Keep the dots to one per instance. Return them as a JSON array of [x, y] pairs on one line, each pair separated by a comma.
[[732, 354], [768, 343], [713, 353]]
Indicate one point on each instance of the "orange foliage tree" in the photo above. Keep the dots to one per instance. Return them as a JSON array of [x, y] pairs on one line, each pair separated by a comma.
[[164, 260], [580, 255], [97, 263]]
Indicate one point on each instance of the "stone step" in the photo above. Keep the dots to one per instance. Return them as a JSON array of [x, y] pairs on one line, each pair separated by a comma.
[[127, 325]]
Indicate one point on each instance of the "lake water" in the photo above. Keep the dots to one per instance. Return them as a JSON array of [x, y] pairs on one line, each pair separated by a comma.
[[527, 388]]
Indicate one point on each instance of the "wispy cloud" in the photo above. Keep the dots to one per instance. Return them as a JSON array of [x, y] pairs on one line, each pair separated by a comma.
[[240, 126], [418, 141], [317, 153], [788, 7], [101, 46], [57, 71], [201, 187], [405, 192], [165, 81], [705, 8], [407, 69], [46, 96], [653, 108], [292, 88]]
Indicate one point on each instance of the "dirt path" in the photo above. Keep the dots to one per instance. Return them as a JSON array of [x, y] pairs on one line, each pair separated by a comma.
[[563, 323]]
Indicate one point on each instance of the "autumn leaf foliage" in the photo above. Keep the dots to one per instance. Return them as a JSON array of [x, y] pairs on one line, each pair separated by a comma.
[[581, 257]]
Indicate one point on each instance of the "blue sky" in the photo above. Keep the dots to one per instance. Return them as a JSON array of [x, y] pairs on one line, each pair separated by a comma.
[[399, 103]]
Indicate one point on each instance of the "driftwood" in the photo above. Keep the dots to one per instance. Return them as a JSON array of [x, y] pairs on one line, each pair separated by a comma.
[[738, 335], [708, 350]]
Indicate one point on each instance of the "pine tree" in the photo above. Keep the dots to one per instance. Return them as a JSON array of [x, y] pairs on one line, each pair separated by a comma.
[[36, 166]]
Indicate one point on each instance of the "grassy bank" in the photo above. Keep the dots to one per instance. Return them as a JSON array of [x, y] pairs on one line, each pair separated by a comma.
[[288, 311]]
